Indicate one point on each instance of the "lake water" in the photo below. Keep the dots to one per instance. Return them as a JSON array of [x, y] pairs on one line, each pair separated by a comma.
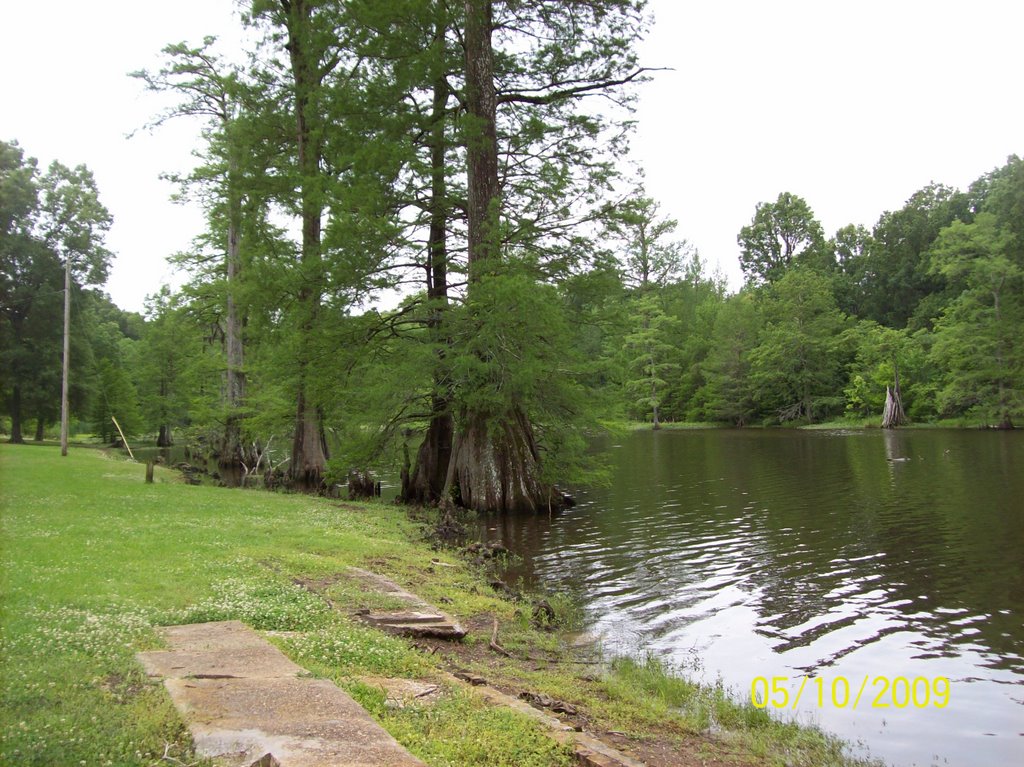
[[828, 554]]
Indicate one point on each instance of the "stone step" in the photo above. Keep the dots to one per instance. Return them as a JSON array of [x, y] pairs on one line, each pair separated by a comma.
[[421, 619]]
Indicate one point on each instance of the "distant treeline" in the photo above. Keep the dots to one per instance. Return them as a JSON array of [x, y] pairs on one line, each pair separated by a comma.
[[932, 298]]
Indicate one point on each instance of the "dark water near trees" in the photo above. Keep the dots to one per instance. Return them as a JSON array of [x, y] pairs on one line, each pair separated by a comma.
[[828, 554], [204, 469]]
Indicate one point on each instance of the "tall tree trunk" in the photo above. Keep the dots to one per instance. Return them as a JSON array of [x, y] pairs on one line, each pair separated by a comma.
[[484, 193], [40, 428], [654, 400], [309, 449], [16, 436], [426, 483], [163, 439], [497, 464], [231, 444]]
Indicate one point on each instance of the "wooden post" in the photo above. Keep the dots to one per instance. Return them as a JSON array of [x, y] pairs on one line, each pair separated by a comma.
[[149, 472]]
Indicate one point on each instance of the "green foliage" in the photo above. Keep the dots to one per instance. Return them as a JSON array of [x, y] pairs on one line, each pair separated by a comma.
[[1005, 199], [19, 189], [112, 390], [727, 395], [589, 308], [511, 342], [74, 223], [694, 303], [380, 393], [978, 337], [161, 364], [850, 247], [596, 304], [881, 354], [796, 367], [897, 287], [513, 347], [31, 286], [115, 397], [649, 258], [650, 355], [49, 221], [781, 235]]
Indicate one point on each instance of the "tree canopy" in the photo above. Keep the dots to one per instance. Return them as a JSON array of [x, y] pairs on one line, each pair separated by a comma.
[[425, 254]]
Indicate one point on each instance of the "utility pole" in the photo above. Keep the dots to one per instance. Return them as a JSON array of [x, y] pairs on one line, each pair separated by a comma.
[[67, 358]]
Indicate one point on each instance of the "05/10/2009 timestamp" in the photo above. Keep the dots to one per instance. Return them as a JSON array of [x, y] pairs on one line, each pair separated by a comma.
[[839, 692]]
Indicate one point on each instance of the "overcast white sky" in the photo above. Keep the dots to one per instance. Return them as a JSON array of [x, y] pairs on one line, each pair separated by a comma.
[[851, 105]]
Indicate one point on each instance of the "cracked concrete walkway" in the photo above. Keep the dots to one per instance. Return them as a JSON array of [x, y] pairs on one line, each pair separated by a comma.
[[247, 706], [419, 619]]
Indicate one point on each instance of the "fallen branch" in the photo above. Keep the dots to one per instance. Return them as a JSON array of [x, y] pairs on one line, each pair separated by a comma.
[[126, 446], [494, 642]]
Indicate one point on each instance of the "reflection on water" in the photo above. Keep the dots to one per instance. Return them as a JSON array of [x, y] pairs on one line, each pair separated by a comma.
[[779, 553]]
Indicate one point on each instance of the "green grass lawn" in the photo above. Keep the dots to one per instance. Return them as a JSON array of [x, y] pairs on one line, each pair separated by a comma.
[[93, 559]]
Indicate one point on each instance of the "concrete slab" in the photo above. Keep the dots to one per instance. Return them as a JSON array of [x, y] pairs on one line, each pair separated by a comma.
[[219, 635], [399, 693], [225, 649], [267, 663], [302, 722], [246, 704], [421, 619]]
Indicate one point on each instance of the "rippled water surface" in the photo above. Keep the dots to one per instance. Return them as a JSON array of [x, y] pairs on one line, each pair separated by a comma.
[[829, 554]]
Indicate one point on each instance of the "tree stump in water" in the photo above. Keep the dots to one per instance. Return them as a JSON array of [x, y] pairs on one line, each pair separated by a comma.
[[164, 438], [892, 413]]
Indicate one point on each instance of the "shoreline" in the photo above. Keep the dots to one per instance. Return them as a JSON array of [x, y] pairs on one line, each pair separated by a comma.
[[94, 560]]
